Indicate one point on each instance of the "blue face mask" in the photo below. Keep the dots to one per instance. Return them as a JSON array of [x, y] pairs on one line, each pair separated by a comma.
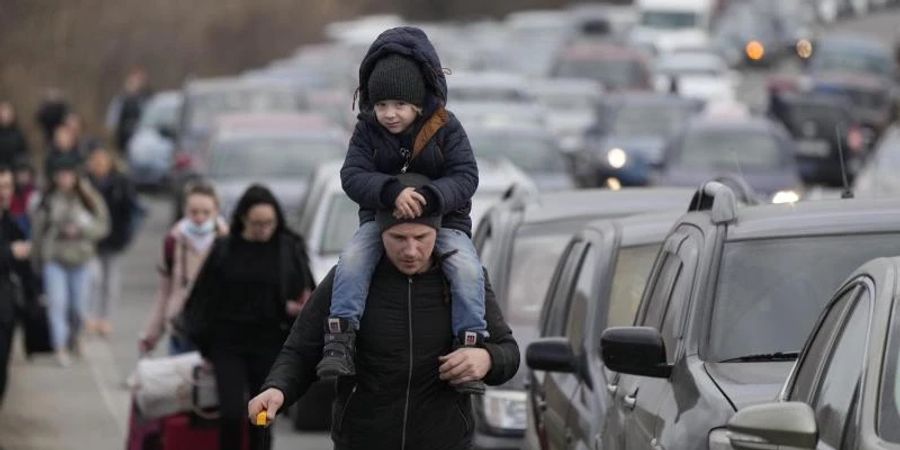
[[202, 229]]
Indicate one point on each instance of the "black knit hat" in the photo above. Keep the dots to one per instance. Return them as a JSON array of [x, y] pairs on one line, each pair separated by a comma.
[[396, 77], [385, 217]]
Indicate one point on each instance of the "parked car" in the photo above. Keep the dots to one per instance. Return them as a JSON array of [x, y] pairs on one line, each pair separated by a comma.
[[573, 103], [702, 75], [667, 25], [616, 67], [534, 150], [597, 284], [153, 143], [280, 151], [747, 35], [485, 113], [628, 141], [732, 296], [755, 149], [489, 87], [519, 242], [843, 392], [824, 130]]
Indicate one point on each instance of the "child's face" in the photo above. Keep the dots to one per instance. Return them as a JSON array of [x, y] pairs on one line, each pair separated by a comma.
[[396, 115]]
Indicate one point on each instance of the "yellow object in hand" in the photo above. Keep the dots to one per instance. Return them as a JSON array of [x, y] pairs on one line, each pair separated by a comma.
[[262, 419]]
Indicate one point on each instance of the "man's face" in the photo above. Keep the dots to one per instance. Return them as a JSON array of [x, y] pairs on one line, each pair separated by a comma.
[[7, 188], [409, 246]]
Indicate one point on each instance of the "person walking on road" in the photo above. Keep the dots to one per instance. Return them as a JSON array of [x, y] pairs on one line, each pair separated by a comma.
[[124, 111], [13, 145], [51, 113], [402, 395], [15, 252], [249, 290], [185, 248], [121, 201], [68, 222]]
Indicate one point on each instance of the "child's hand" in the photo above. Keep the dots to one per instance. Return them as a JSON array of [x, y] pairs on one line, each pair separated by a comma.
[[409, 204]]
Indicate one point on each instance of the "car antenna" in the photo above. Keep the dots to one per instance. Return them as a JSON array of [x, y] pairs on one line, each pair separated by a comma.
[[847, 192]]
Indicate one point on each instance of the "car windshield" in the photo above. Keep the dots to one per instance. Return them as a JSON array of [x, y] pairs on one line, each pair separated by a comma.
[[341, 221], [204, 108], [731, 149], [159, 114], [781, 286], [633, 265], [650, 119], [535, 253], [613, 74], [530, 153], [853, 61], [285, 156], [671, 20]]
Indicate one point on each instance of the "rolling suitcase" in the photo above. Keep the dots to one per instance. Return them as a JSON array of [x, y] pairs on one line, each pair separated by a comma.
[[143, 434], [189, 432]]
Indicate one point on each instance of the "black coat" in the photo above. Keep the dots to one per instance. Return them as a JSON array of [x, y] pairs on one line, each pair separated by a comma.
[[436, 147], [13, 146], [404, 330], [121, 200], [9, 233]]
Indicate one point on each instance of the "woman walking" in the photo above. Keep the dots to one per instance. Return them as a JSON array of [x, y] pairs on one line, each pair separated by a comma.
[[69, 221], [248, 291], [185, 249]]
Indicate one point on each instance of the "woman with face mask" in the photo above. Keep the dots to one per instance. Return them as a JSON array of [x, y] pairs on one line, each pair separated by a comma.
[[247, 294], [185, 248]]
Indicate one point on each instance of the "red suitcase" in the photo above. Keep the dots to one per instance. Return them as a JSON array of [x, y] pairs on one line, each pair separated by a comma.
[[180, 432], [143, 434]]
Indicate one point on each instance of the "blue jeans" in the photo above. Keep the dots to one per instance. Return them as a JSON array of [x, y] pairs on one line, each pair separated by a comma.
[[67, 290], [463, 269]]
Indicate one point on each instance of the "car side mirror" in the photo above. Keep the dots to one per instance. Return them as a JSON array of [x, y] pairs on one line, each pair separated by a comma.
[[636, 351], [551, 355], [773, 426]]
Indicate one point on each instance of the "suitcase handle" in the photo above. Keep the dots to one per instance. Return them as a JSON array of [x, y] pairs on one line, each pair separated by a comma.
[[262, 419]]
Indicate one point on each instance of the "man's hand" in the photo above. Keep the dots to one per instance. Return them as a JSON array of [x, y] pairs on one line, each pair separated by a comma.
[[269, 401], [409, 204], [464, 365], [21, 250]]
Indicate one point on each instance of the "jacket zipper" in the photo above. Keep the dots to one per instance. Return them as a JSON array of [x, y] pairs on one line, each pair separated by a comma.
[[409, 378]]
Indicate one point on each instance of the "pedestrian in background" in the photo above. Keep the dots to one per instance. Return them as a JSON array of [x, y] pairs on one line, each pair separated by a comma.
[[13, 145], [121, 201], [15, 251], [69, 221], [24, 196], [84, 142], [243, 303], [185, 248], [65, 146], [124, 111], [51, 113]]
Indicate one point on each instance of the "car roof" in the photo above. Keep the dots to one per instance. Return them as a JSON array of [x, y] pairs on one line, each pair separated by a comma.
[[588, 203], [588, 50], [811, 218], [712, 122], [643, 98], [286, 122], [638, 229]]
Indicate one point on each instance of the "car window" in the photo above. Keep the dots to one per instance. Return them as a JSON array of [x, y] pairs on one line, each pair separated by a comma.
[[340, 224], [486, 243], [841, 376], [269, 156], [581, 296], [633, 266], [758, 288], [662, 290], [889, 406], [555, 311], [535, 252], [818, 346]]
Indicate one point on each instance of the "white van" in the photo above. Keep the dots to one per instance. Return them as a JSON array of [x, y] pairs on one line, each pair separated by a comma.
[[667, 25]]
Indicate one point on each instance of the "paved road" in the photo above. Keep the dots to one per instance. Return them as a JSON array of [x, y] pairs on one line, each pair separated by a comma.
[[85, 406]]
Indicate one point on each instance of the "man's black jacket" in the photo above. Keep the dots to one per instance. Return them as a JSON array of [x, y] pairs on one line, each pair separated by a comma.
[[396, 400]]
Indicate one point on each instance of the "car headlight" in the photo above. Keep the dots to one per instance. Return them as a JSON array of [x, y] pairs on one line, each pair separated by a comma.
[[617, 158], [505, 409], [785, 197], [718, 440]]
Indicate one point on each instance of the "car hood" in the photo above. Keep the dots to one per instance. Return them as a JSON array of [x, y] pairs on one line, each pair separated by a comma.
[[749, 383], [765, 183], [288, 191], [648, 148]]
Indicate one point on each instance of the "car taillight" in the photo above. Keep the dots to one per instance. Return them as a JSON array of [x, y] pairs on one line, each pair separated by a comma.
[[183, 161], [856, 140]]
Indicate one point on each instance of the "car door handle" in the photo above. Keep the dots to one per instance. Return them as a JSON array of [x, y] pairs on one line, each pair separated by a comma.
[[612, 388], [630, 400]]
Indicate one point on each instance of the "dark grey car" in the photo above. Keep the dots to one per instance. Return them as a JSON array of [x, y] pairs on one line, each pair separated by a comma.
[[520, 242], [732, 297], [843, 393], [598, 283]]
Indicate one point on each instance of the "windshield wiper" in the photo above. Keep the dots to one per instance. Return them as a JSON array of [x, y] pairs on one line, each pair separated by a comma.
[[777, 356]]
